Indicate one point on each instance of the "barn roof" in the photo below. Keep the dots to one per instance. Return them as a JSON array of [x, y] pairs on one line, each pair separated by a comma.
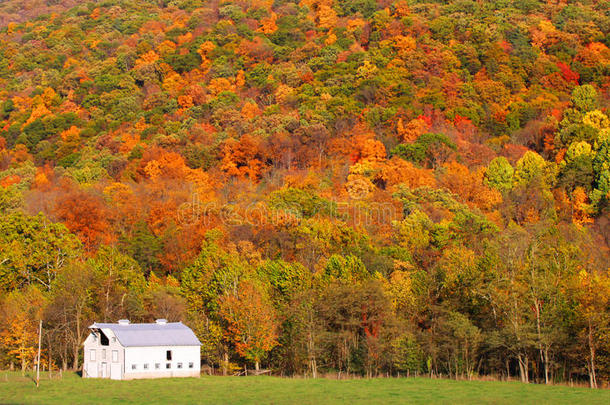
[[151, 334]]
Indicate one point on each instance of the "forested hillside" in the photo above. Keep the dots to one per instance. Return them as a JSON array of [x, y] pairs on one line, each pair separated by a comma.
[[353, 186]]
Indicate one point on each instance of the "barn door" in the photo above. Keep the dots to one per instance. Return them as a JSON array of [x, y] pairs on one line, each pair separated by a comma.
[[104, 373], [115, 371]]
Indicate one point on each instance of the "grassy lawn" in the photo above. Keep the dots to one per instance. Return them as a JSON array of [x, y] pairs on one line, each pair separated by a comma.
[[15, 389]]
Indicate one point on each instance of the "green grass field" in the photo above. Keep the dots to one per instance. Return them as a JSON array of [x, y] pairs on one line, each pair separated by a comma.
[[15, 389]]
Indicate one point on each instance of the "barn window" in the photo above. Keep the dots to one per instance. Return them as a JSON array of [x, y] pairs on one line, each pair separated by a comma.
[[157, 366], [92, 354], [145, 366], [104, 354], [168, 366], [179, 365], [103, 339], [113, 339], [168, 355], [115, 356], [191, 364], [133, 366]]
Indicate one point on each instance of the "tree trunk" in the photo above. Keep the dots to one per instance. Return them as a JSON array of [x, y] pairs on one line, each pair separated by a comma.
[[314, 368], [225, 363], [523, 368], [76, 347], [546, 365], [64, 358], [38, 355], [75, 362], [257, 366], [313, 365], [592, 377], [543, 357]]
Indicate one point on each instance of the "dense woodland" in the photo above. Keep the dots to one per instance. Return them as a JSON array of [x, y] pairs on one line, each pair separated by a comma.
[[362, 187]]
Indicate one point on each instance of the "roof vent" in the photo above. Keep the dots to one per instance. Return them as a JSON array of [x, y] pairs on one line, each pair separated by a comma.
[[161, 321], [123, 321]]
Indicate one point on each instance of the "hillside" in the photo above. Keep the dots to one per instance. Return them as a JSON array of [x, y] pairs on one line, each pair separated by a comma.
[[338, 185], [18, 11]]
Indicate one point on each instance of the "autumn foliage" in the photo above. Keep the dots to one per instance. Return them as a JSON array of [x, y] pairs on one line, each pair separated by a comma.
[[360, 187]]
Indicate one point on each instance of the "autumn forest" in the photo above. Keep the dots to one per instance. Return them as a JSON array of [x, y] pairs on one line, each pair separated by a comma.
[[356, 187]]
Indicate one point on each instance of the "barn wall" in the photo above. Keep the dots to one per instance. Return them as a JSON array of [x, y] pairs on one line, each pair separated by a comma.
[[153, 356], [103, 354]]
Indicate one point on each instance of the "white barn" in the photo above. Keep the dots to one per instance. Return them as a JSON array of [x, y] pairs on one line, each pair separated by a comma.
[[125, 351]]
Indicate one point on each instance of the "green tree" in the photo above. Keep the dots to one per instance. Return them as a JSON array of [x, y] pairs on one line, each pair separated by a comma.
[[430, 149], [70, 310], [585, 98], [407, 355], [533, 168], [33, 250], [11, 198], [143, 246], [117, 286], [499, 174], [576, 170], [285, 278], [349, 269]]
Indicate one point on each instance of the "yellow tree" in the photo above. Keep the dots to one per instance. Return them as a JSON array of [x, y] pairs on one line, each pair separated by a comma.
[[19, 314], [251, 322], [20, 339], [593, 298]]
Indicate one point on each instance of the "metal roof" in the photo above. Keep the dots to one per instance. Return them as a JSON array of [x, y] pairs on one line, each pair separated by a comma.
[[151, 334]]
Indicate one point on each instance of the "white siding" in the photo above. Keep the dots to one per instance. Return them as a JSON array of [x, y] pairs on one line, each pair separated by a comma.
[[97, 355], [151, 356]]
